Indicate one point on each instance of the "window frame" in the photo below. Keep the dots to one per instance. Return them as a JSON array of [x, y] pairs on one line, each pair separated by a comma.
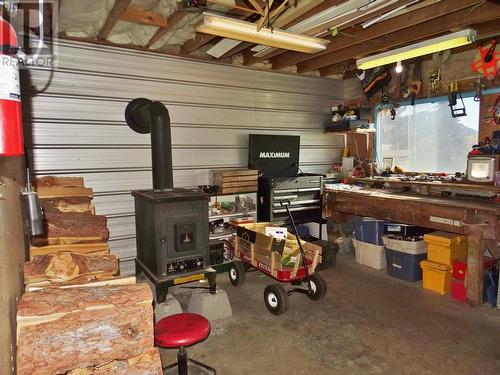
[[434, 99]]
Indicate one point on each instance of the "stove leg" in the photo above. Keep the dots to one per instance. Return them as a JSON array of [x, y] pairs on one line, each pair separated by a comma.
[[161, 293], [212, 282], [138, 269]]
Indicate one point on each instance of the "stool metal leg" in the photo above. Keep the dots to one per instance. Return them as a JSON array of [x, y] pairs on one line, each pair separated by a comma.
[[182, 363], [202, 365]]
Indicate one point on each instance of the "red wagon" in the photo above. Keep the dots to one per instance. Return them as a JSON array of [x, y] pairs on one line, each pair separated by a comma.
[[253, 249]]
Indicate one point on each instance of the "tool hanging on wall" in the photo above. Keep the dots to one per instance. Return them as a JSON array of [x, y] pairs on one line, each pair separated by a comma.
[[413, 88], [496, 111], [453, 95], [478, 90], [435, 74]]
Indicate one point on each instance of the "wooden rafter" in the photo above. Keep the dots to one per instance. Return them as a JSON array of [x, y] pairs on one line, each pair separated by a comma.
[[172, 20], [114, 16], [143, 17], [257, 6], [201, 39], [484, 13], [233, 6], [358, 35], [250, 60], [235, 50]]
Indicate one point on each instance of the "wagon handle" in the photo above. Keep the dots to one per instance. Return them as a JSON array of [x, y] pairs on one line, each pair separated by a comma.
[[302, 252]]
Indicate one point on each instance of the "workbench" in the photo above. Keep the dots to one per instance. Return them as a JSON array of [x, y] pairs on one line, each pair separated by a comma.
[[475, 218]]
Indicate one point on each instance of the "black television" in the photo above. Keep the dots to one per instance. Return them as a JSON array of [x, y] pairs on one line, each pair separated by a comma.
[[274, 155]]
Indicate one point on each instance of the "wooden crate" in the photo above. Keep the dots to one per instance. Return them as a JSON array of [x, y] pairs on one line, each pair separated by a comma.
[[236, 180]]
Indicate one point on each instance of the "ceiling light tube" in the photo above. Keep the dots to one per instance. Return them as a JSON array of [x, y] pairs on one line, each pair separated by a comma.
[[426, 47], [247, 31]]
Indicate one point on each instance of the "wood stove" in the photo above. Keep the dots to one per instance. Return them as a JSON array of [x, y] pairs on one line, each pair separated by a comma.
[[171, 224]]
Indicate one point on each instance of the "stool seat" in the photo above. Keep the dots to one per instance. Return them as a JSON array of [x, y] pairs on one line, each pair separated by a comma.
[[181, 330]]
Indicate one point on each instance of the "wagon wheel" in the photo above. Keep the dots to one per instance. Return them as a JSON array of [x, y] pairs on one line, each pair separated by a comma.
[[237, 273], [318, 287], [276, 299]]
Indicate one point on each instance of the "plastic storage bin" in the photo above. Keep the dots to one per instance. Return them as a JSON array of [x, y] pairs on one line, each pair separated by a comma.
[[369, 230], [369, 254], [404, 257], [405, 230], [460, 267], [458, 291], [436, 276], [445, 247]]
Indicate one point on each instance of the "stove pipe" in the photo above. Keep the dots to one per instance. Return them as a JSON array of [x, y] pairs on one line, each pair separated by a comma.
[[146, 116]]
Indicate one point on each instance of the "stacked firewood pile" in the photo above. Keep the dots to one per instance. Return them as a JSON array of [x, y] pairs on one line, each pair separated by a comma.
[[77, 316], [73, 248], [106, 330]]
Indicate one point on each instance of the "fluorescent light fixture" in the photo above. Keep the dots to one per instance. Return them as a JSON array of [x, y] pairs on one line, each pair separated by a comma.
[[426, 47], [247, 31]]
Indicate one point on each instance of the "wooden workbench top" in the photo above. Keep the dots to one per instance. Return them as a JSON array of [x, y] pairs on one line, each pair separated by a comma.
[[408, 197], [448, 186]]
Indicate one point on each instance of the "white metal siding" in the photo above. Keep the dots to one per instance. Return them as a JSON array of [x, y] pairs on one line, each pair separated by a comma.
[[76, 116]]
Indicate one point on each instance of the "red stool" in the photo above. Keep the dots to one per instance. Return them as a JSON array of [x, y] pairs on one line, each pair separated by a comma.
[[179, 331]]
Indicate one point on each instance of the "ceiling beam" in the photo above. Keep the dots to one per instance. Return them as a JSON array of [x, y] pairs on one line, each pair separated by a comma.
[[172, 20], [113, 17], [197, 42], [360, 18], [358, 35], [284, 19], [235, 50], [143, 17], [201, 39], [484, 13], [257, 6]]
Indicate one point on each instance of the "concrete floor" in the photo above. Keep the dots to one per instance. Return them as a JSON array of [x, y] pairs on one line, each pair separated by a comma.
[[368, 323]]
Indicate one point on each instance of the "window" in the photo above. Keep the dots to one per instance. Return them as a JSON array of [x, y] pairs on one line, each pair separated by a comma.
[[425, 138]]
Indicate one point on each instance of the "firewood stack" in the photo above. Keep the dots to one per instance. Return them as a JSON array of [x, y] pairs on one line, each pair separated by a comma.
[[73, 248], [106, 330]]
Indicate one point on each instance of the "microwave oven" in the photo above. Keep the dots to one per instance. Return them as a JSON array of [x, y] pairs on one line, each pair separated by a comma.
[[482, 169]]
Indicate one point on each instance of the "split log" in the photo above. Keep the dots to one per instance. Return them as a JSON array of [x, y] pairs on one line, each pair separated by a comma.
[[76, 284], [78, 248], [65, 267], [53, 187], [148, 363], [44, 241], [74, 224], [64, 329], [68, 204]]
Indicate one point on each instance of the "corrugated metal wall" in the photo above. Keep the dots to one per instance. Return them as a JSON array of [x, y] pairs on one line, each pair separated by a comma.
[[76, 116]]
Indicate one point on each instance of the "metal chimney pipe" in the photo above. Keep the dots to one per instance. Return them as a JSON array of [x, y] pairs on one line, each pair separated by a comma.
[[146, 116]]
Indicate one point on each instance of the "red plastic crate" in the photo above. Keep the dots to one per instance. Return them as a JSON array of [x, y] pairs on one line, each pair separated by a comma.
[[460, 267], [458, 291]]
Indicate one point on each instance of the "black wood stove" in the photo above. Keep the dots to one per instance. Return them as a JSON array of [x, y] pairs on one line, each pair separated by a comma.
[[171, 224]]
